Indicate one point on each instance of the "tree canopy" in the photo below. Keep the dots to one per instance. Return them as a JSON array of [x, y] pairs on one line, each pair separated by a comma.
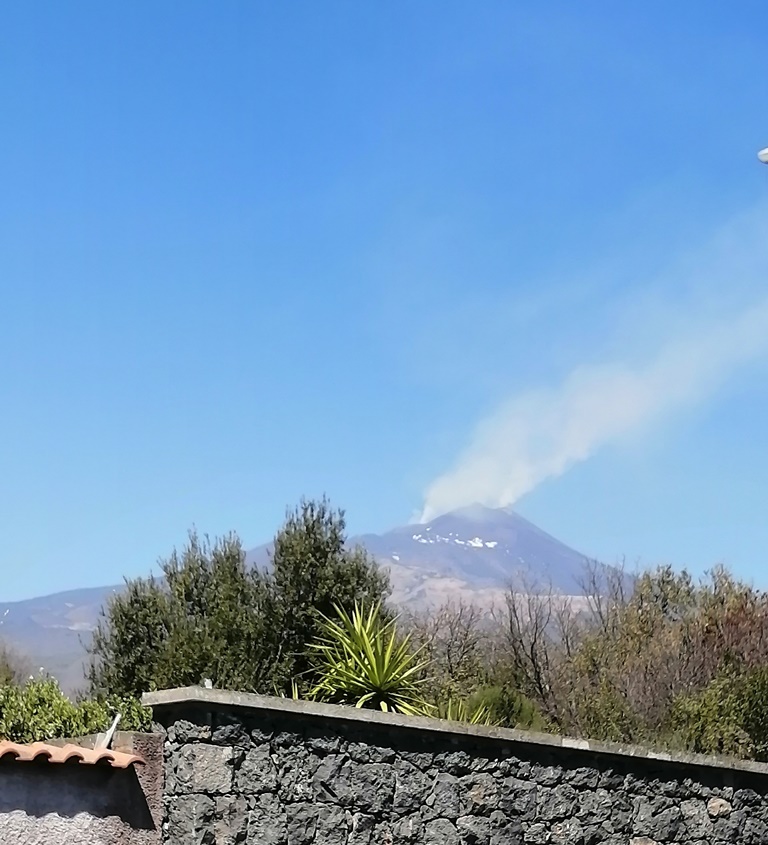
[[212, 616]]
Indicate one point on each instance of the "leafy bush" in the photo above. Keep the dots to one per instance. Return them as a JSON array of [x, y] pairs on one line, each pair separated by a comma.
[[657, 659], [39, 710], [203, 620], [729, 716], [508, 707]]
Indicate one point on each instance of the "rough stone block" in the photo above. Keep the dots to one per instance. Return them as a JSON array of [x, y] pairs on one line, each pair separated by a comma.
[[474, 830], [370, 786], [655, 824], [204, 768], [301, 823], [481, 791], [408, 829], [582, 778], [445, 799], [229, 730], [441, 832], [411, 787], [568, 832], [557, 803], [257, 772], [361, 829], [182, 731], [190, 820], [267, 823], [232, 817], [518, 797], [696, 820], [719, 808], [331, 825]]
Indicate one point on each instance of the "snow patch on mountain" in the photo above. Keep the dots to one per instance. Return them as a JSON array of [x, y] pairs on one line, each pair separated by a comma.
[[473, 543]]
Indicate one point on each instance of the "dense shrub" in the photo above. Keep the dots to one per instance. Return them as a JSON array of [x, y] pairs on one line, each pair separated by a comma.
[[729, 716], [39, 710], [212, 616]]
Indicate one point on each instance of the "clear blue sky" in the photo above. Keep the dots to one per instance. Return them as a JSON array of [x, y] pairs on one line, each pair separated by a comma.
[[251, 251]]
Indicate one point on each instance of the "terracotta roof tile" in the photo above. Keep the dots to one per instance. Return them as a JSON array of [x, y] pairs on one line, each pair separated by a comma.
[[42, 752]]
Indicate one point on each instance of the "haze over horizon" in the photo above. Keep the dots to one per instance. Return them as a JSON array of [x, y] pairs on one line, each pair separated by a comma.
[[512, 254]]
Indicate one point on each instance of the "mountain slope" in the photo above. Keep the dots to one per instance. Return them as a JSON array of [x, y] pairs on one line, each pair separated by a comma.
[[484, 547], [51, 631], [473, 553]]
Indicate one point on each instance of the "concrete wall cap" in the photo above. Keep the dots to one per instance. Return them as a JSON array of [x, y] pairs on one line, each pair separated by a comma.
[[174, 699]]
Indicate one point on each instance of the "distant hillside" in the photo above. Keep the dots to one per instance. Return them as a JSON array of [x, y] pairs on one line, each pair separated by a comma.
[[473, 552], [50, 631]]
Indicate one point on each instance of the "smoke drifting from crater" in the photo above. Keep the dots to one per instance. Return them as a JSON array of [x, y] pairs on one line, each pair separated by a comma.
[[539, 434]]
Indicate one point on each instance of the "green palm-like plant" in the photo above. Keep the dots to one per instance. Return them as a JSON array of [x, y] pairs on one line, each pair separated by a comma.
[[362, 661], [458, 710]]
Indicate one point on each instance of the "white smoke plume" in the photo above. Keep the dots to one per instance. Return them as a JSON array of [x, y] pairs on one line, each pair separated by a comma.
[[539, 434]]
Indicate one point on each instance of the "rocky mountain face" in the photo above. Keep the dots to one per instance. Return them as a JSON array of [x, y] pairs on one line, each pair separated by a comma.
[[475, 553]]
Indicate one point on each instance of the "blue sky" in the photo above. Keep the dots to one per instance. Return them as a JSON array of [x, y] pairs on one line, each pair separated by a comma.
[[261, 250]]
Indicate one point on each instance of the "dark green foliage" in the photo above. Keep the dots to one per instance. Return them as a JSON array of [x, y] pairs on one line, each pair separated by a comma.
[[213, 617], [203, 620], [509, 708], [129, 641], [729, 716], [313, 574], [216, 622], [39, 710]]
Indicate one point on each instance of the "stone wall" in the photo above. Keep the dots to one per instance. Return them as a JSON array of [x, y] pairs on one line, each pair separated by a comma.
[[78, 804], [246, 769]]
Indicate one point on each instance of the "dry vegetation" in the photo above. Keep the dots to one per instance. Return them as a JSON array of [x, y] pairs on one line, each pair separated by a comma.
[[656, 658]]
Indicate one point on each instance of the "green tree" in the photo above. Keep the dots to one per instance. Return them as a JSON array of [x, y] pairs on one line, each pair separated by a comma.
[[313, 573], [211, 616], [129, 642], [203, 620], [217, 624]]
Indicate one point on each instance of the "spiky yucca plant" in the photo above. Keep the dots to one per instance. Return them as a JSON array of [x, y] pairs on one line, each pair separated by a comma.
[[458, 710], [295, 694], [362, 661]]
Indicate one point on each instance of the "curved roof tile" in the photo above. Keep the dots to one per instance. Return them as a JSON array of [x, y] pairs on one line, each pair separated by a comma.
[[45, 753]]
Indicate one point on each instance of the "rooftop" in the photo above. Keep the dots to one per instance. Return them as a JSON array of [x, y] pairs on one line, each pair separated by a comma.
[[44, 753]]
